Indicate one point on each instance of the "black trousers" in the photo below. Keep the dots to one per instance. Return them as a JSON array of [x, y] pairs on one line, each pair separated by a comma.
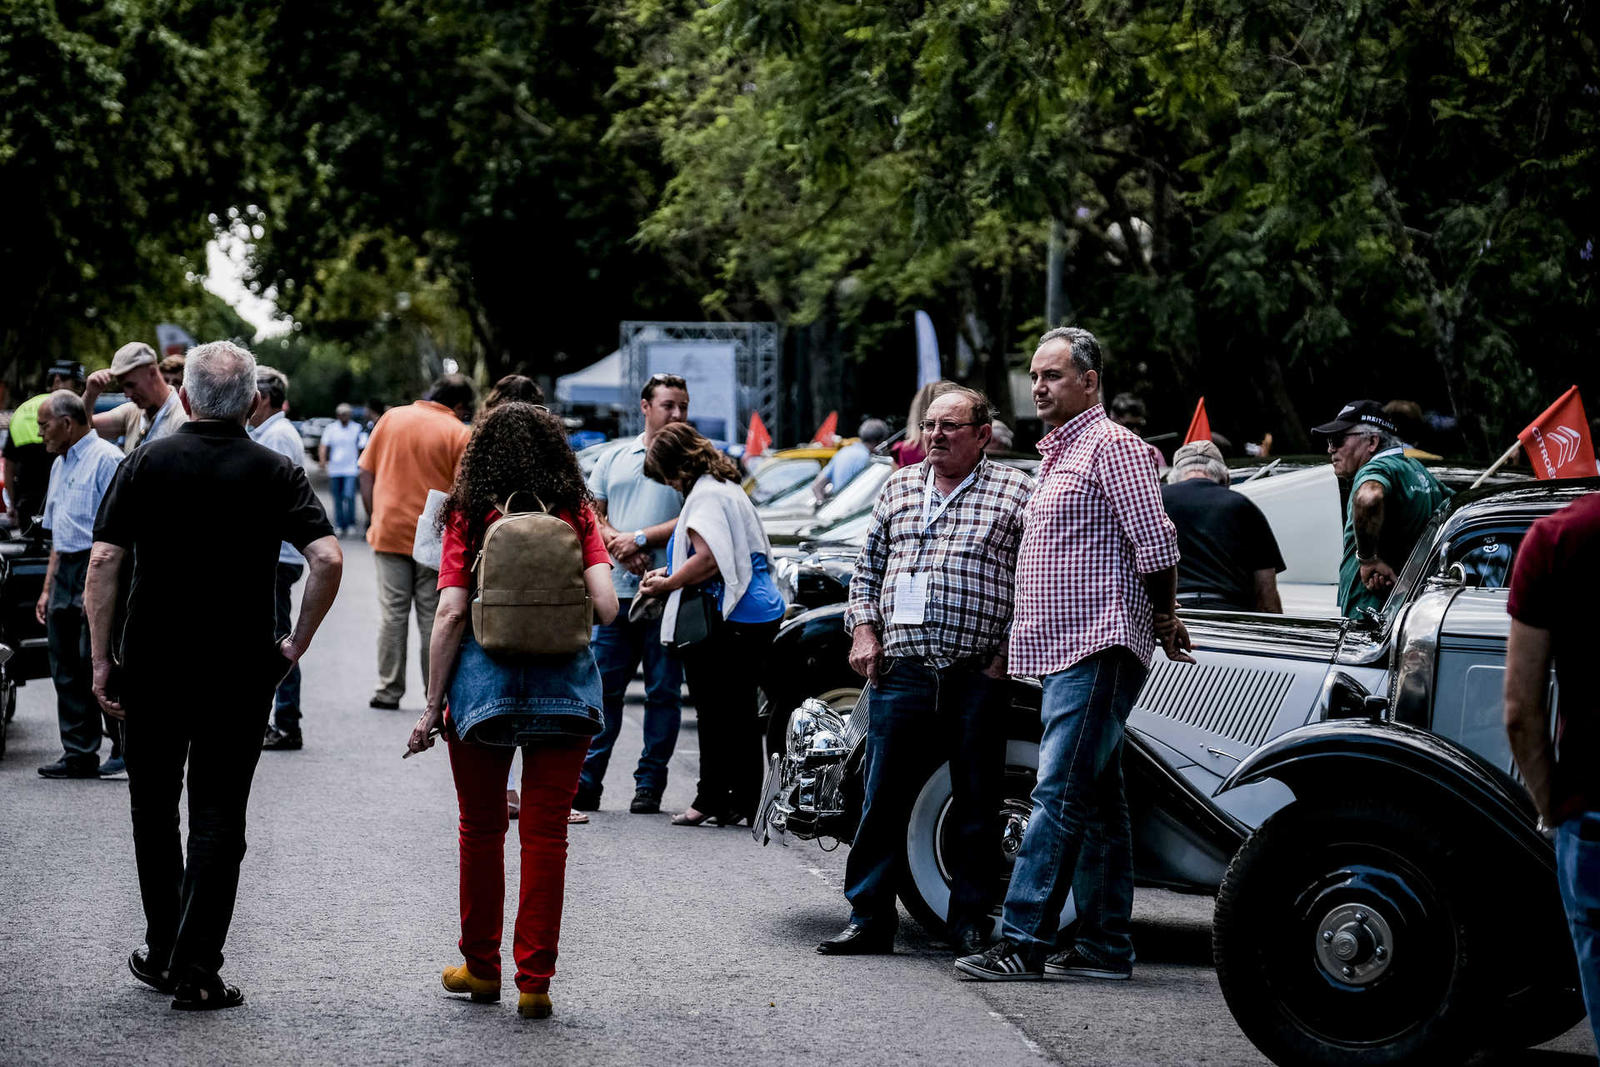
[[723, 674], [77, 711], [188, 904]]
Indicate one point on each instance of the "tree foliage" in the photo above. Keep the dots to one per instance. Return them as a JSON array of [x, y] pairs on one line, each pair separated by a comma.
[[123, 125], [1271, 203]]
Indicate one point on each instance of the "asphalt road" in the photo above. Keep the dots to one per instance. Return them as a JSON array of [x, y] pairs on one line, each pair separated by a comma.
[[679, 945]]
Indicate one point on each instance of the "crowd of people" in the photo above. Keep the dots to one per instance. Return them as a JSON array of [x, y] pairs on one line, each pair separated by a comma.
[[972, 571]]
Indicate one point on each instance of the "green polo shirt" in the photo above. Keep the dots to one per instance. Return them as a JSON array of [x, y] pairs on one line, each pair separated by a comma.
[[1411, 495]]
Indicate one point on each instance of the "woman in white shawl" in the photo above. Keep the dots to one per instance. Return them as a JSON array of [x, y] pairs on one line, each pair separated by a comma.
[[719, 550]]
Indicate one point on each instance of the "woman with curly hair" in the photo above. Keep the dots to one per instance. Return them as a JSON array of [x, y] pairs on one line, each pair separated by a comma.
[[516, 449], [719, 550]]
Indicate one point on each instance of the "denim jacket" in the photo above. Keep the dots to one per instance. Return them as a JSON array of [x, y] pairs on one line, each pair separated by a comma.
[[513, 701]]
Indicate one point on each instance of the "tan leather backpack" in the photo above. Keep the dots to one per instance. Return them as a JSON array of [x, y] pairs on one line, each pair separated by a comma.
[[531, 597]]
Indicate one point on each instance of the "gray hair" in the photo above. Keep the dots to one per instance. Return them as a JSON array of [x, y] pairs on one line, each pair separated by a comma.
[[979, 409], [1199, 459], [1386, 440], [273, 384], [65, 404], [873, 431], [1082, 345], [342, 409], [220, 381]]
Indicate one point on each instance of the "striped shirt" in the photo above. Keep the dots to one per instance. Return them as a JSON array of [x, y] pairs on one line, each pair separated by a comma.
[[1095, 525], [966, 554], [78, 481]]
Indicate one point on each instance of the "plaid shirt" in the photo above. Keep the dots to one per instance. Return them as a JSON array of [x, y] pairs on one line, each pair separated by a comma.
[[77, 482], [969, 554], [1095, 525]]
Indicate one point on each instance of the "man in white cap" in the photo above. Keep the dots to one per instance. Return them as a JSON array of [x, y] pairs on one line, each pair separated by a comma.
[[152, 411]]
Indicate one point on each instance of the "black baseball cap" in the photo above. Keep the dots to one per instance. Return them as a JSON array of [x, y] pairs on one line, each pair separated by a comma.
[[65, 368], [1355, 414]]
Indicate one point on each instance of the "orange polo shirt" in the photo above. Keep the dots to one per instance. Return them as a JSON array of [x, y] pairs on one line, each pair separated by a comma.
[[412, 449]]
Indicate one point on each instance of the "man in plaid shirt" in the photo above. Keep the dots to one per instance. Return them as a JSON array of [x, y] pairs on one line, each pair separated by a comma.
[[930, 609], [1096, 586]]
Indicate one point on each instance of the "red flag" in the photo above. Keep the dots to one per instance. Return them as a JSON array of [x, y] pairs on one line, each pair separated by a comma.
[[758, 440], [1199, 426], [828, 430], [1557, 442]]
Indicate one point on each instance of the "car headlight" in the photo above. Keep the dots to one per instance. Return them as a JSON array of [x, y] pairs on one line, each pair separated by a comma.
[[815, 734]]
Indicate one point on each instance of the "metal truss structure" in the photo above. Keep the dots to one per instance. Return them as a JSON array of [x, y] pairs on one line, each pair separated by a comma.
[[755, 348]]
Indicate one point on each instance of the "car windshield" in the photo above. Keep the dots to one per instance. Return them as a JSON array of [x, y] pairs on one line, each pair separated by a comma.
[[776, 477], [857, 496], [851, 531]]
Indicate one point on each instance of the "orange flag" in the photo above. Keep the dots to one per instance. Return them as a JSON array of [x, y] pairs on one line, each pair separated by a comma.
[[1199, 426], [1557, 442], [758, 440], [828, 430]]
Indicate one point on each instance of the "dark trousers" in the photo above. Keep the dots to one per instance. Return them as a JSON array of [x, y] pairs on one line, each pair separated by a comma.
[[77, 711], [287, 704], [921, 715], [619, 647], [723, 674], [188, 904]]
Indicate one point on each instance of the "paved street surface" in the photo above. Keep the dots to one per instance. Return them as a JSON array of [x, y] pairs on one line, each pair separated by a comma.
[[679, 946]]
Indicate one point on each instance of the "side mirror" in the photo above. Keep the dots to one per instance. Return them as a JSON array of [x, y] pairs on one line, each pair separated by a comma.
[[1457, 574]]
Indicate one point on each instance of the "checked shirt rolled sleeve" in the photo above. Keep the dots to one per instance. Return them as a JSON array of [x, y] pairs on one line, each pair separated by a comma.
[[1095, 527], [967, 556]]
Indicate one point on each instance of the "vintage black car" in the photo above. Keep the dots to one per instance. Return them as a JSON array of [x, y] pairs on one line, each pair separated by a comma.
[[24, 651], [1344, 786]]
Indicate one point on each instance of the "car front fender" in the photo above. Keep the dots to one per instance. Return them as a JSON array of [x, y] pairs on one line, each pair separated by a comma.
[[1326, 760]]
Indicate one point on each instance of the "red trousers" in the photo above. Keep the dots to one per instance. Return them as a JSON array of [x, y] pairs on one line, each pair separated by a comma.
[[549, 780]]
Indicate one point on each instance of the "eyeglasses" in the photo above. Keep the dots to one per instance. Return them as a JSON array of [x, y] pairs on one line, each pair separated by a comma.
[[928, 426]]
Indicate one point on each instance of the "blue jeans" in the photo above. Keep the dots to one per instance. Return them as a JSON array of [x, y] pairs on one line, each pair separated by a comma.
[[1578, 870], [921, 716], [286, 713], [1078, 836], [618, 649], [343, 489]]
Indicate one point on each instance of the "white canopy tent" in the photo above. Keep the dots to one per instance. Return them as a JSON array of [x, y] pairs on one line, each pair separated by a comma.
[[600, 383]]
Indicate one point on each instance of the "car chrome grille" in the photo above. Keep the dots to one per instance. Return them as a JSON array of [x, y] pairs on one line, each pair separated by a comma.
[[1235, 702]]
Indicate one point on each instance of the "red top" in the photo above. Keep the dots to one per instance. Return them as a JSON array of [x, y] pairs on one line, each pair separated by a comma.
[[455, 563], [906, 453], [1554, 585]]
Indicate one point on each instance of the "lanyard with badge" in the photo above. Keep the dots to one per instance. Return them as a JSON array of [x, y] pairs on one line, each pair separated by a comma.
[[911, 587]]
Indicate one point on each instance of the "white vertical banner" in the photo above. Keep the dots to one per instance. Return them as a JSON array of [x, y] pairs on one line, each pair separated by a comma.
[[928, 369]]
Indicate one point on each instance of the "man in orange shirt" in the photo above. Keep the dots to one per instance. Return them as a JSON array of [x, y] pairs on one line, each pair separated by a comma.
[[412, 449]]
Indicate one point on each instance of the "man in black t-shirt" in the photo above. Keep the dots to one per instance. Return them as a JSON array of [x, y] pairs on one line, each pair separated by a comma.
[[1228, 558], [200, 514]]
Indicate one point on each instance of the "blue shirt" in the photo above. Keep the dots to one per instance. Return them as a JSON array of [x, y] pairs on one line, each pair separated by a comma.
[[846, 463], [78, 481], [279, 434], [632, 502], [762, 601]]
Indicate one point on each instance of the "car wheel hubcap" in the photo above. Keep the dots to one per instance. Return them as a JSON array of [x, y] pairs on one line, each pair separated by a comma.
[[1354, 944]]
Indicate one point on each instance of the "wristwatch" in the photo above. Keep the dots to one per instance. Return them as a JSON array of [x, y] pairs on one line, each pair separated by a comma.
[[640, 539]]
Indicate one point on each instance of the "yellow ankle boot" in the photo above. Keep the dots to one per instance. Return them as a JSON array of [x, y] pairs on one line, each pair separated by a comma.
[[534, 1005], [458, 979]]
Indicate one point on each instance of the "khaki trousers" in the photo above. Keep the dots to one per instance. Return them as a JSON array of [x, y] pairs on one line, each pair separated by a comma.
[[402, 582]]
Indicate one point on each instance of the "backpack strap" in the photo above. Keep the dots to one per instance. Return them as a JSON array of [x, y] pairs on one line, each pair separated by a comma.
[[505, 509]]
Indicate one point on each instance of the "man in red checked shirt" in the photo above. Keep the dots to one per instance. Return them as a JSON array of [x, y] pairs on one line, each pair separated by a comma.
[[1096, 588]]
